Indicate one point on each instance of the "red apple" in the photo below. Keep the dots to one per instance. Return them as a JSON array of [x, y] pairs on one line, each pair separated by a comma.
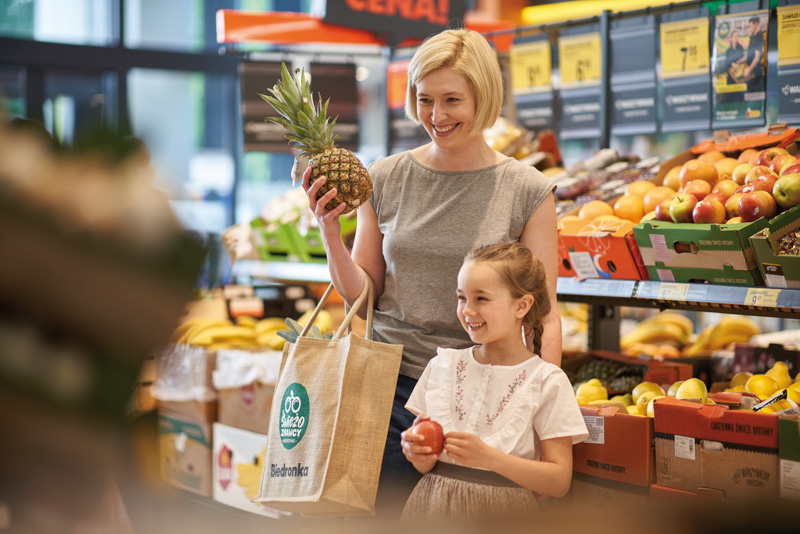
[[780, 161], [681, 206], [787, 190], [697, 169], [746, 154], [719, 197], [739, 173], [765, 183], [755, 172], [662, 211], [755, 205], [709, 212], [698, 188], [743, 189], [432, 435], [732, 205], [766, 156], [726, 187], [790, 168]]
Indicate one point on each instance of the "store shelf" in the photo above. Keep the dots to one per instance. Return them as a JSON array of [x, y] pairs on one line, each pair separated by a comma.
[[284, 272]]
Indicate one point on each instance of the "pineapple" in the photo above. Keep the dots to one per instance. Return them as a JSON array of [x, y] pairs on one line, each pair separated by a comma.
[[311, 133]]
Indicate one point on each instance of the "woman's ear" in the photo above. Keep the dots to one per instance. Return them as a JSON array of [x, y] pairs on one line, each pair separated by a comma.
[[524, 305]]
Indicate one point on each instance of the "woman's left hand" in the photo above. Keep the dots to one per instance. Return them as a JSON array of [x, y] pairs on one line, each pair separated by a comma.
[[467, 449]]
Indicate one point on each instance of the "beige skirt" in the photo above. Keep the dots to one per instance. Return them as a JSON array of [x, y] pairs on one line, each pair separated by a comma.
[[452, 492]]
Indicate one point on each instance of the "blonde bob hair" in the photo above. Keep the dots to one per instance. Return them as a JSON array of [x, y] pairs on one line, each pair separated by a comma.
[[468, 53]]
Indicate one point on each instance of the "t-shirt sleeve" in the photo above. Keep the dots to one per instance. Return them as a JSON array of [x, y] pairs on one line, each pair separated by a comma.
[[558, 414], [416, 403]]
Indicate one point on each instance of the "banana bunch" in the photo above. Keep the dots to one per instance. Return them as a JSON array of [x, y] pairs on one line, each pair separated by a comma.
[[730, 329], [667, 328], [248, 333]]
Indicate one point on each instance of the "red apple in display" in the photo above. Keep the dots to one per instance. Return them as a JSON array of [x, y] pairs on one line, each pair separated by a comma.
[[708, 212], [755, 172], [662, 211], [787, 190], [757, 204], [697, 169], [740, 172], [681, 206], [432, 435], [726, 187], [719, 197], [780, 161], [698, 188], [766, 156], [765, 183], [732, 205], [743, 189], [790, 168]]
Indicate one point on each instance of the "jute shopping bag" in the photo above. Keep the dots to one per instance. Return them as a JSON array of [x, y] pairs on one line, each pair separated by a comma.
[[329, 419]]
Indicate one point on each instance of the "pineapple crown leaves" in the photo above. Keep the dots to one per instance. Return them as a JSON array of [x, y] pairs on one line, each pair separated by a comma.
[[308, 127], [295, 328]]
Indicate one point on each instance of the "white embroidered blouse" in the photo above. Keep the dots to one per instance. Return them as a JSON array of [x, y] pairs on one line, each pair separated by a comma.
[[511, 408]]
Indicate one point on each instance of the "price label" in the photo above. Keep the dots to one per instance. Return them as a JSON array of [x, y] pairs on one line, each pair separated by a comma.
[[762, 296], [788, 36], [671, 291], [580, 59], [530, 67], [684, 48]]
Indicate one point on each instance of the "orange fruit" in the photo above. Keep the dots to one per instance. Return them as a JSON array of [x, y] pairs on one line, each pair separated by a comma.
[[639, 188], [649, 216], [725, 168], [697, 169], [746, 154], [673, 177], [593, 208], [654, 197], [629, 207], [711, 156], [570, 224]]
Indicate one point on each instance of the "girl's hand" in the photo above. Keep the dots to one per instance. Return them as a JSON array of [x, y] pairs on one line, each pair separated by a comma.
[[328, 220], [417, 453], [467, 449]]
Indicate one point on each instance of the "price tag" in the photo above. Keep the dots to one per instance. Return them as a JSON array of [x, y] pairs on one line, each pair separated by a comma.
[[596, 427], [684, 48], [670, 291], [684, 447], [580, 59], [788, 36], [762, 296], [583, 264], [530, 67]]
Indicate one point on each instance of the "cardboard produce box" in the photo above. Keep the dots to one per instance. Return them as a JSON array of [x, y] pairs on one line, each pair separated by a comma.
[[184, 450], [713, 447], [246, 383], [789, 455], [237, 460], [590, 492], [777, 270], [619, 447]]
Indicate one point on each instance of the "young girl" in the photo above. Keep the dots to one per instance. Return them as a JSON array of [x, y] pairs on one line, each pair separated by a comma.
[[510, 418]]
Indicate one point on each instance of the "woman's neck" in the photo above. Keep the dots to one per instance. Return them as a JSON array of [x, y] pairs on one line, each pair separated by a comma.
[[468, 157]]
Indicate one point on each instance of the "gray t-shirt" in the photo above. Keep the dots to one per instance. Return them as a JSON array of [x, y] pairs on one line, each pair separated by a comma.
[[430, 220]]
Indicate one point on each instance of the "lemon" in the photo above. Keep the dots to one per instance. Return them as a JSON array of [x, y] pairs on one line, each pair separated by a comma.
[[593, 390], [761, 385], [625, 399], [633, 410], [693, 388], [645, 398], [794, 395], [740, 379], [673, 388], [736, 389], [780, 373], [641, 387], [650, 410]]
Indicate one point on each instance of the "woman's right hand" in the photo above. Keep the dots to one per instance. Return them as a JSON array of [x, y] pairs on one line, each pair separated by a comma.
[[417, 454], [328, 220]]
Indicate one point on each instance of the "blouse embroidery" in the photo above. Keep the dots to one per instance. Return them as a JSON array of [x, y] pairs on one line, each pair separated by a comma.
[[504, 401], [460, 369]]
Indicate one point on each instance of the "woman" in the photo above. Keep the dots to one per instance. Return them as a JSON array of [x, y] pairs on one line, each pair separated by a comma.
[[429, 207]]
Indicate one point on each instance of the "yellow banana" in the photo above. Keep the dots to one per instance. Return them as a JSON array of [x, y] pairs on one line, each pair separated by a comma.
[[192, 322], [677, 319], [222, 334], [324, 320], [270, 323], [699, 345], [271, 340], [246, 320], [198, 326], [654, 332], [733, 329]]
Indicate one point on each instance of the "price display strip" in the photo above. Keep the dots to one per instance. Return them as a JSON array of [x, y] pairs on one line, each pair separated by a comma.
[[531, 69], [789, 64], [580, 62], [633, 79], [282, 271], [684, 48], [623, 289]]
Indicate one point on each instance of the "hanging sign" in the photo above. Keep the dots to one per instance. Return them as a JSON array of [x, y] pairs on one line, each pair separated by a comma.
[[256, 78], [580, 62], [789, 64], [685, 70], [633, 79], [398, 20], [739, 69], [337, 82], [530, 66]]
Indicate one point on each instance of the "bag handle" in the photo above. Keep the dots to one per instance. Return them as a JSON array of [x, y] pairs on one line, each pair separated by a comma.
[[366, 293]]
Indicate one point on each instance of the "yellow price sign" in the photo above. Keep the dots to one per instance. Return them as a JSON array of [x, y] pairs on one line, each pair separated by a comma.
[[531, 66], [580, 59], [684, 48], [672, 291], [788, 35], [761, 296]]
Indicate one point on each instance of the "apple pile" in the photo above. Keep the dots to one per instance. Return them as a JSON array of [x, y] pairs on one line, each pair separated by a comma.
[[714, 188]]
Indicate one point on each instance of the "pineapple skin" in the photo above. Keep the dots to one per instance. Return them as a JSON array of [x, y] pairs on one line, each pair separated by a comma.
[[346, 173]]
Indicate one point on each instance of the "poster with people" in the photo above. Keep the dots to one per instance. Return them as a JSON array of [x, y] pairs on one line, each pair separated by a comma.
[[739, 67]]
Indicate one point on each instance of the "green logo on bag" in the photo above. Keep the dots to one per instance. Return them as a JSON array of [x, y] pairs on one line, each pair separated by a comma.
[[294, 415]]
